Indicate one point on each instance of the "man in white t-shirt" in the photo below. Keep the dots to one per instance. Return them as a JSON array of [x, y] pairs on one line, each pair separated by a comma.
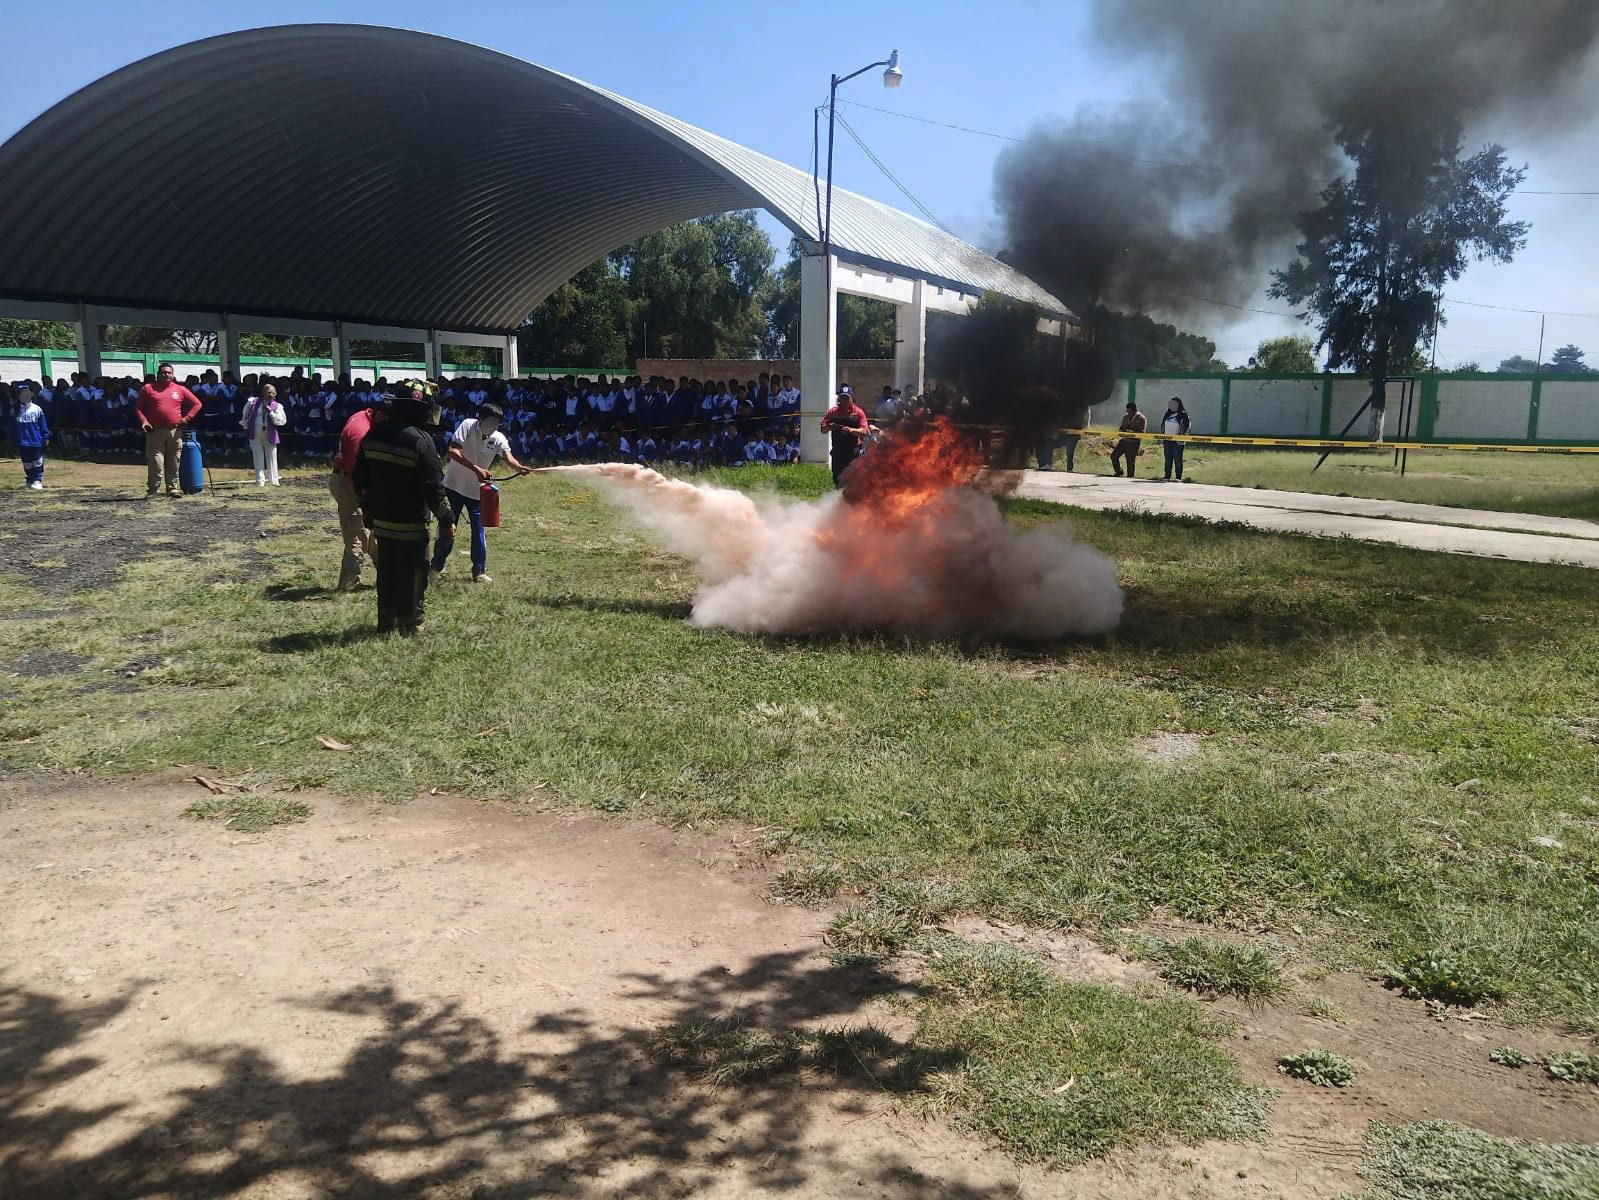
[[474, 445]]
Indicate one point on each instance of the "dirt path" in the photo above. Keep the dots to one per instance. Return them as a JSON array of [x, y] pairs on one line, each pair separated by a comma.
[[452, 999]]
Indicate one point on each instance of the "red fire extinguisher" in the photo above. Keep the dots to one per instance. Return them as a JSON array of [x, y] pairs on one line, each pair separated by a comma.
[[490, 497]]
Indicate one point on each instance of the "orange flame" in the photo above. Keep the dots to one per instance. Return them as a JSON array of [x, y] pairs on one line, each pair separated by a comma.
[[911, 467], [897, 498]]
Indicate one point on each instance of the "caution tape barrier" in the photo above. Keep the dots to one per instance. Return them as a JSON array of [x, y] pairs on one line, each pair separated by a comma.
[[1325, 443]]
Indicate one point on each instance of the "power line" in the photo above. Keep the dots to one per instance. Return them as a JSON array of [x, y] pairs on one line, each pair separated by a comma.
[[1153, 162], [892, 178], [1536, 312]]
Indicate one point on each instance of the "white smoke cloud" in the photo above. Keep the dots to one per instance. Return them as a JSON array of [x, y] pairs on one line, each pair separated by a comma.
[[955, 569]]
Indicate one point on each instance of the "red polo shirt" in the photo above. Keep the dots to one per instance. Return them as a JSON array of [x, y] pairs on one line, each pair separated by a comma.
[[166, 407], [350, 439]]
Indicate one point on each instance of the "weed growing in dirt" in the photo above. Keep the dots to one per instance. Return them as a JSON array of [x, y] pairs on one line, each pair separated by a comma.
[[1216, 968], [1324, 1009], [1434, 976], [248, 814], [1057, 1071], [1573, 1066], [1438, 1160], [869, 931], [1508, 1056], [1320, 1067], [809, 885]]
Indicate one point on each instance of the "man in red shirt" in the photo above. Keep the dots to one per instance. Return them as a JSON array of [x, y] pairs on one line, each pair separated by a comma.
[[846, 421], [163, 407], [357, 539]]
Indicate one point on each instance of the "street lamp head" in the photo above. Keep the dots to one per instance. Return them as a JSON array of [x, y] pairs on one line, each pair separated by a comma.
[[893, 75]]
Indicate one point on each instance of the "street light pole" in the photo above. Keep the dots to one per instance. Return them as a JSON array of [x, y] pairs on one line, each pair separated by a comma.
[[891, 79], [892, 76]]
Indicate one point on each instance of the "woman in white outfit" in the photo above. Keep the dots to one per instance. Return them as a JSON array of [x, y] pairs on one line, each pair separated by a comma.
[[263, 417]]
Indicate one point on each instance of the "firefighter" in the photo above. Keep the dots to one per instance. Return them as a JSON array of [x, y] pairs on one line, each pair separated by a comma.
[[401, 488]]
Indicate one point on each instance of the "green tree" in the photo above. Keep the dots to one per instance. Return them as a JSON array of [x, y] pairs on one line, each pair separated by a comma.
[[1284, 356], [1568, 361], [1519, 365], [699, 289], [1377, 253], [36, 335], [1136, 342], [585, 322]]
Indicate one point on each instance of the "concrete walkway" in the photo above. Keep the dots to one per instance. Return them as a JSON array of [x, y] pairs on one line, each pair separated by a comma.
[[1521, 536]]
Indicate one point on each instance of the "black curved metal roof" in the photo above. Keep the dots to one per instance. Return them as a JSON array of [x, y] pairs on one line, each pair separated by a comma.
[[386, 176]]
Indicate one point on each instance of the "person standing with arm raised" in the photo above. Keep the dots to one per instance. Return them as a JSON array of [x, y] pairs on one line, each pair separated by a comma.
[[474, 445], [163, 408]]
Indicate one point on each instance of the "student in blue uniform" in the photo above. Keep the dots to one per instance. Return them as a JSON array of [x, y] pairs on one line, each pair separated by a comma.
[[32, 436]]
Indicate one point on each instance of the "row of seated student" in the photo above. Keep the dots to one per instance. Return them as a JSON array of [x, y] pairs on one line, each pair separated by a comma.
[[549, 420]]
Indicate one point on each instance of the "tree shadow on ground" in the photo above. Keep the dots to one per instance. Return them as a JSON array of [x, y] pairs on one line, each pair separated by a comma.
[[431, 1100]]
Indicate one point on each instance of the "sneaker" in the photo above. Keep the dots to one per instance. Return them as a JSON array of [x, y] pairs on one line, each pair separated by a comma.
[[435, 572], [173, 493], [36, 485], [482, 577], [411, 630]]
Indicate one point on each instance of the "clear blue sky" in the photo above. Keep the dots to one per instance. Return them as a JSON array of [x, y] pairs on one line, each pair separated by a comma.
[[753, 71]]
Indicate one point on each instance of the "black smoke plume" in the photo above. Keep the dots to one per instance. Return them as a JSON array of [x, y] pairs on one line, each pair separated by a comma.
[[1190, 197]]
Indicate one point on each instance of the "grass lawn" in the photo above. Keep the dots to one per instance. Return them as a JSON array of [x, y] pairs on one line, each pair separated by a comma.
[[1556, 485], [1382, 753]]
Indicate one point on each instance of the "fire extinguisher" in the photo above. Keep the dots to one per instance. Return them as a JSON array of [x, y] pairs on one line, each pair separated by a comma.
[[489, 495]]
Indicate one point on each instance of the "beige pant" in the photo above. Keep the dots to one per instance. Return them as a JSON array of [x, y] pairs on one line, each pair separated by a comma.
[[356, 537], [161, 450]]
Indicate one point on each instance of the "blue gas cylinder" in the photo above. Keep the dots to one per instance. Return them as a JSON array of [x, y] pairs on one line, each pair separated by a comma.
[[191, 466]]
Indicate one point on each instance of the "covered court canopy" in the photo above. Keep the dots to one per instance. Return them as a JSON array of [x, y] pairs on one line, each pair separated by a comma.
[[350, 180]]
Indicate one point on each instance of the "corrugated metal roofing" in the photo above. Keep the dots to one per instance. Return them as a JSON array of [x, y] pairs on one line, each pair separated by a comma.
[[324, 186]]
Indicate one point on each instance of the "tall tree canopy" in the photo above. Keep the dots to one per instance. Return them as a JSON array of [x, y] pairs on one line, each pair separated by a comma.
[[699, 289], [586, 322], [1135, 342], [1375, 256], [1284, 356], [1568, 361]]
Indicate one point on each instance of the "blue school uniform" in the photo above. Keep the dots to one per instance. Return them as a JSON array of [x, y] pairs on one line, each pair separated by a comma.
[[32, 435]]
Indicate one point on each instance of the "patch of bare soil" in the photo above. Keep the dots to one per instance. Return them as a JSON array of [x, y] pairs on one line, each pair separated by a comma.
[[451, 999], [84, 536]]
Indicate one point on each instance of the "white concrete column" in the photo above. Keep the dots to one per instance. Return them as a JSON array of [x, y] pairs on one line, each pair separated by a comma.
[[434, 350], [228, 346], [510, 366], [818, 352], [341, 349], [910, 342], [86, 331]]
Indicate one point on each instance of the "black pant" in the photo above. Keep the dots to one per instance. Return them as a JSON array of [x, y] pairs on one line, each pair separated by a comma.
[[841, 459], [402, 583], [1174, 458]]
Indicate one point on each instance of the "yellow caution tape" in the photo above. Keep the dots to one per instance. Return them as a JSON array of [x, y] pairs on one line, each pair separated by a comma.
[[1326, 443]]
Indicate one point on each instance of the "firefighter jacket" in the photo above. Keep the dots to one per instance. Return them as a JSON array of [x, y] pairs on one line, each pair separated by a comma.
[[400, 482]]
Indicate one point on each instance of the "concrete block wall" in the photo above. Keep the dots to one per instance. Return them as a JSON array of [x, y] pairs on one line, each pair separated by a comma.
[[1568, 411], [1469, 409]]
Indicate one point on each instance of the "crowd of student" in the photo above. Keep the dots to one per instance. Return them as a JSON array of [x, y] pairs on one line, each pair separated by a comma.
[[687, 422]]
